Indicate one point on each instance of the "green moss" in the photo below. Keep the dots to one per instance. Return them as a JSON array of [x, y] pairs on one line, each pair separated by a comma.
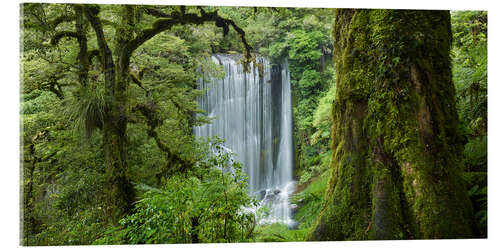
[[395, 170], [310, 200], [278, 233]]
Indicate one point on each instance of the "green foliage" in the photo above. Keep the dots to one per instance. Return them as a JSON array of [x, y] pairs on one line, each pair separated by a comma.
[[470, 68], [310, 200], [323, 119], [316, 166], [205, 204], [37, 111], [67, 184], [310, 80], [470, 75], [476, 154], [304, 46], [279, 233], [478, 193], [87, 110]]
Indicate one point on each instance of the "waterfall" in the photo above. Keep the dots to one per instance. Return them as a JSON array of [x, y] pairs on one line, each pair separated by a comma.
[[253, 113]]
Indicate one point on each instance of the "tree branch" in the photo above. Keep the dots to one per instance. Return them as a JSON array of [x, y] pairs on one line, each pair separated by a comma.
[[106, 54], [136, 80], [94, 53], [54, 87], [61, 19], [83, 57], [58, 36], [155, 12], [153, 120], [175, 18]]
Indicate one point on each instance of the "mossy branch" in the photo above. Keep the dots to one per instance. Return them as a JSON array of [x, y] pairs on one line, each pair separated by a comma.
[[155, 12], [60, 35], [136, 79], [62, 19], [106, 54], [83, 71], [141, 72], [153, 120], [168, 21], [94, 53]]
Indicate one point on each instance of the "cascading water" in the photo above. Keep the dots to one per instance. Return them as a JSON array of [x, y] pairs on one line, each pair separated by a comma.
[[253, 113]]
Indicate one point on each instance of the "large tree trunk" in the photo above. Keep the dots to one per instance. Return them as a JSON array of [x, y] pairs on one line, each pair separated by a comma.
[[397, 155], [116, 64], [120, 193], [28, 218]]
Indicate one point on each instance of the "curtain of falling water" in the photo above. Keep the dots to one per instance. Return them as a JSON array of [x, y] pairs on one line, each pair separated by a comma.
[[253, 113]]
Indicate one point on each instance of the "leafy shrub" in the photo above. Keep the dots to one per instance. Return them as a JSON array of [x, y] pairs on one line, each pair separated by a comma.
[[204, 205], [478, 194], [476, 154]]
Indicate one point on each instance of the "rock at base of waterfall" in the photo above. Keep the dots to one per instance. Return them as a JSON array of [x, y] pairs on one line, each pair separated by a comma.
[[293, 225], [293, 209]]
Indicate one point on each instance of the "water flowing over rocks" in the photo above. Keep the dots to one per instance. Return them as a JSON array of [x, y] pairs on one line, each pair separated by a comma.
[[253, 113]]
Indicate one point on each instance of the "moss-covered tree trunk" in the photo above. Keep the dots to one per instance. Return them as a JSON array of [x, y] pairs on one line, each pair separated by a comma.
[[397, 154], [120, 193], [127, 37]]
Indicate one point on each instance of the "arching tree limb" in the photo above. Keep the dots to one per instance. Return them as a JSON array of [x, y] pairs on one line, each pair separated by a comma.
[[59, 35], [167, 21], [62, 19]]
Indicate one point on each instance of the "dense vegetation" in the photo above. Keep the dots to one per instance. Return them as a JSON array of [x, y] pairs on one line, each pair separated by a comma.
[[108, 103], [470, 75]]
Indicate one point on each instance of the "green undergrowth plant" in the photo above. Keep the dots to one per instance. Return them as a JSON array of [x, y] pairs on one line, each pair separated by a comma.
[[202, 205], [278, 232], [310, 200]]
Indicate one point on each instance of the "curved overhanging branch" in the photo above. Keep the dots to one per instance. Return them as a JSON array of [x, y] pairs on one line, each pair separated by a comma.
[[136, 79], [155, 12], [84, 56], [109, 23], [62, 19], [241, 32], [167, 21], [150, 112], [61, 34]]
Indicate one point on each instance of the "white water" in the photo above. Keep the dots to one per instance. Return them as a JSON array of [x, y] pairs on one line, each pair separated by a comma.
[[253, 113]]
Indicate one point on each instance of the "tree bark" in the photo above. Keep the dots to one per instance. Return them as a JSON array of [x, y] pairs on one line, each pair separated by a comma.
[[28, 219], [397, 155], [115, 64], [120, 193]]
